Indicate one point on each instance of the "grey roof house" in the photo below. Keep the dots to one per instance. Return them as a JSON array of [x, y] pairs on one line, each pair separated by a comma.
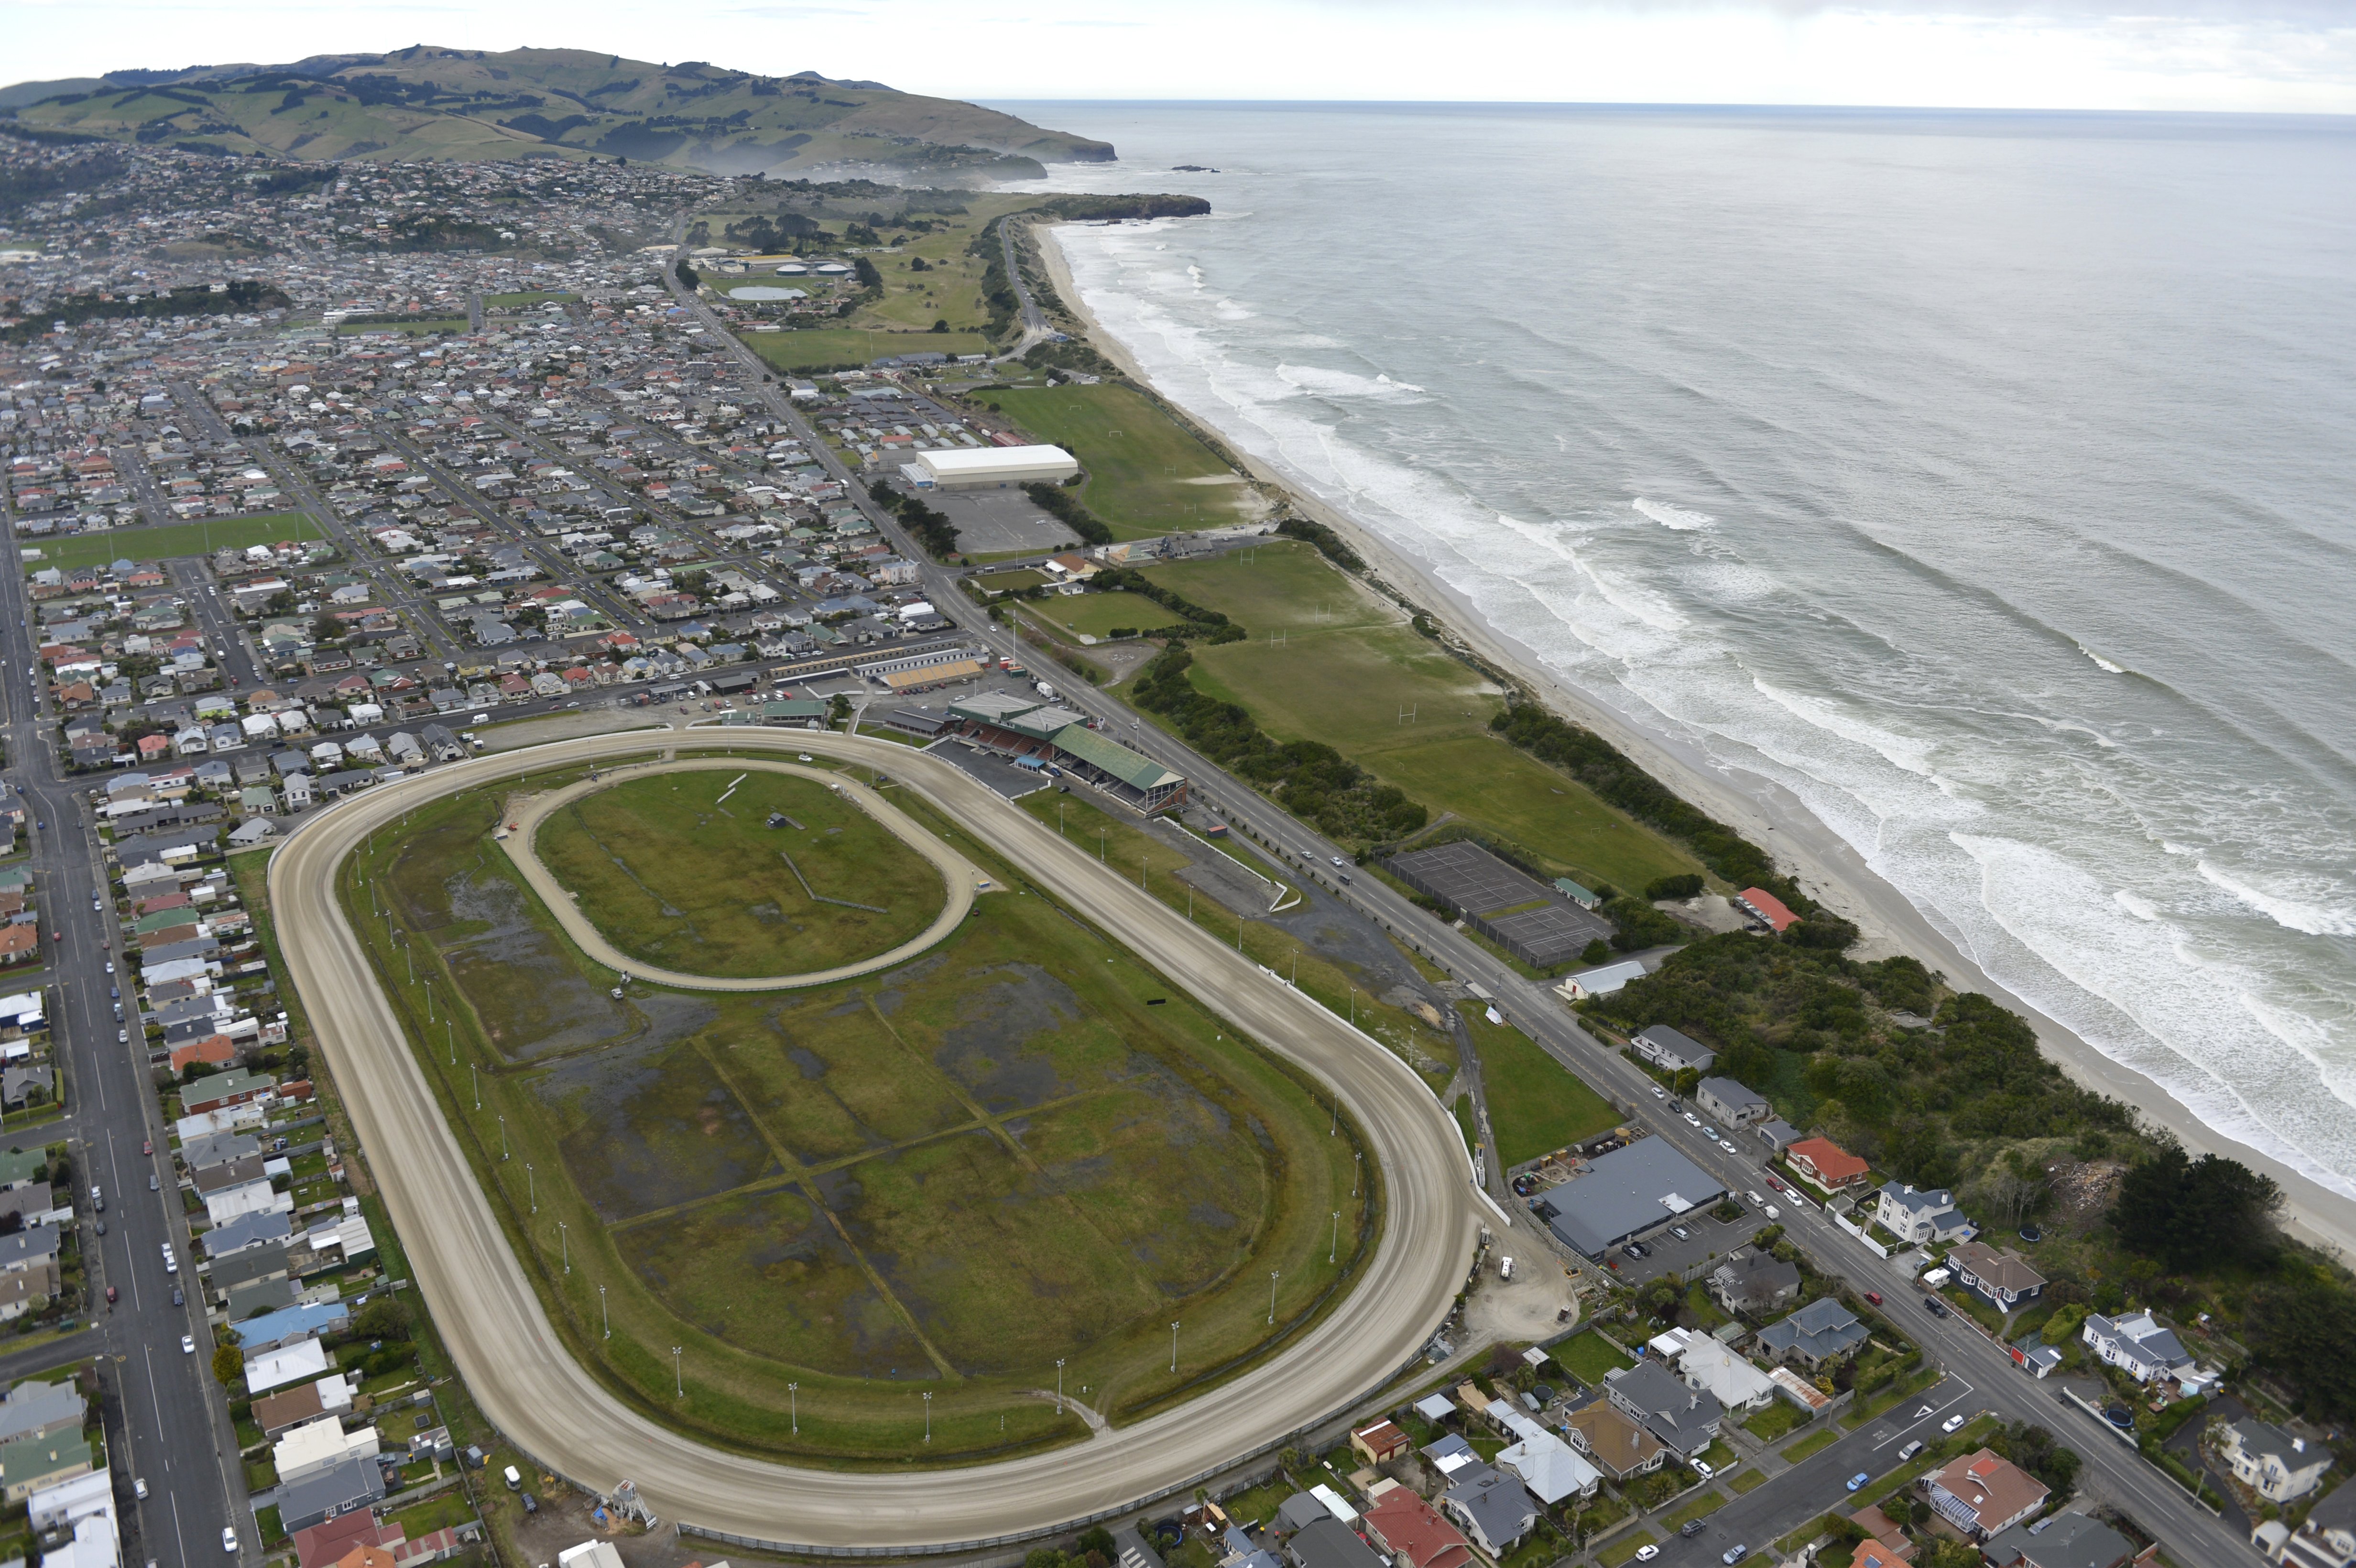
[[1754, 1285], [1671, 1052], [1729, 1104], [1815, 1334], [1685, 1419], [1493, 1508]]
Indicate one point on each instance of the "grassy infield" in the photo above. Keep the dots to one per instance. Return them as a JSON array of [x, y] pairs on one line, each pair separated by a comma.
[[683, 879], [942, 1182]]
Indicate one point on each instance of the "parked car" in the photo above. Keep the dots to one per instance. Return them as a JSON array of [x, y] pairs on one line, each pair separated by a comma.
[[1648, 1551], [110, 1296], [1910, 1450], [1936, 1308], [1659, 1093], [1710, 1133], [1702, 1468], [530, 1503], [177, 1299], [1690, 1117], [229, 1538], [188, 1344], [1953, 1423], [1756, 1202], [1874, 1297], [1727, 1145], [139, 1488], [1735, 1553], [1858, 1480], [1691, 1527]]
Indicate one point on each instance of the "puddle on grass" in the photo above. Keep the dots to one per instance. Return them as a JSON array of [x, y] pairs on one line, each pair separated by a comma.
[[991, 1053]]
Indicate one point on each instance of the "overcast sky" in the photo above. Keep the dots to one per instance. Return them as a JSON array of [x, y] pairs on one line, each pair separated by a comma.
[[2248, 55]]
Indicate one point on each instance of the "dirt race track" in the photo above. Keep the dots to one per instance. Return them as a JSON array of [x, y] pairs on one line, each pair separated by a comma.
[[556, 1412]]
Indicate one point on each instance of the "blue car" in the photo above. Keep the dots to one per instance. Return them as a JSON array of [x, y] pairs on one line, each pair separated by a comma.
[[1858, 1481]]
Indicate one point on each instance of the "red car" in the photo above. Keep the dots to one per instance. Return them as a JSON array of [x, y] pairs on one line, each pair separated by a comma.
[[147, 1145], [1874, 1297]]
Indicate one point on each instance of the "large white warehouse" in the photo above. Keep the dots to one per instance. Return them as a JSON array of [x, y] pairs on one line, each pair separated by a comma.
[[972, 467]]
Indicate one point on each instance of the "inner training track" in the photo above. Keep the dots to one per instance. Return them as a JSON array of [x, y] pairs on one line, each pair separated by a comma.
[[556, 1412]]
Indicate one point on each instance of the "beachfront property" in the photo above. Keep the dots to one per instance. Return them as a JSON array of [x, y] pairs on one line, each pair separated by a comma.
[[1671, 1050], [2141, 1347], [2271, 1462], [981, 467], [1922, 1217], [1827, 1164], [1767, 909], [2003, 1279], [1729, 1104], [2325, 1539]]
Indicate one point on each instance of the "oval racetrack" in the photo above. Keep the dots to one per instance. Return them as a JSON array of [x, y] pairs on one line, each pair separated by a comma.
[[555, 1410]]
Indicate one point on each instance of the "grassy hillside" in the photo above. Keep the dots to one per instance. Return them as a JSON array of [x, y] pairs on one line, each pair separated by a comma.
[[432, 103]]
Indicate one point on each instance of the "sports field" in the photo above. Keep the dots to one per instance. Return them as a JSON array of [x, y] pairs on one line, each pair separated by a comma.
[[822, 345], [175, 540], [1327, 662], [1095, 614], [1146, 474], [1020, 1148], [683, 871]]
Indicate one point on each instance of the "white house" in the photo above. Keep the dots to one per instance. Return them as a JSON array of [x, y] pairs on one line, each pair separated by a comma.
[[2272, 1463], [320, 1445], [1671, 1050], [1739, 1385], [2147, 1352], [1918, 1217], [305, 1360]]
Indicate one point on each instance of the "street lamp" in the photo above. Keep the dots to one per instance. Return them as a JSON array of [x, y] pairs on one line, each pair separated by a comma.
[[1357, 1169], [564, 1240], [928, 1415], [605, 1313], [503, 1139], [678, 1376], [530, 1188], [794, 1407], [475, 1080], [1059, 1385], [1174, 1349], [1335, 1246], [1273, 1276]]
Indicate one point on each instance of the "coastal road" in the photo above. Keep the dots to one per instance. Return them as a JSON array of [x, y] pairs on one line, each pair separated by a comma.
[[2112, 1471], [544, 1402]]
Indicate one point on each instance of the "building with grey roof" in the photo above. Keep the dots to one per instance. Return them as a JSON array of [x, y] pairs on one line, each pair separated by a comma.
[[1490, 1506], [1815, 1334], [2061, 1540], [1626, 1194], [1686, 1419]]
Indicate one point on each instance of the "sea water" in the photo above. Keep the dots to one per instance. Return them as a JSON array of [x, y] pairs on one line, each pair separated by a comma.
[[1986, 480]]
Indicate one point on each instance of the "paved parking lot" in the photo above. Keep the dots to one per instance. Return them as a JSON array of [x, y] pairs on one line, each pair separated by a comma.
[[999, 522], [991, 769], [1690, 1256]]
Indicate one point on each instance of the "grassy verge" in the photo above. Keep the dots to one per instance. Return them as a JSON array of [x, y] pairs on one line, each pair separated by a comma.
[[1097, 615], [1535, 1103], [1626, 1547], [1815, 1443], [177, 539], [1701, 1505], [1748, 1482], [1775, 1422]]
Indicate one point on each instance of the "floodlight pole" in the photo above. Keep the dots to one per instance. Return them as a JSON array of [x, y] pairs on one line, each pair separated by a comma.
[[1335, 1246], [794, 1407], [1059, 1385], [1174, 1349], [605, 1312], [1273, 1276], [503, 1139], [928, 1415], [564, 1240], [530, 1188], [678, 1376], [475, 1080]]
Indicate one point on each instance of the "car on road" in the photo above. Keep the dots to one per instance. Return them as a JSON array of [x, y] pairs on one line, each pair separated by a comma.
[[152, 1186], [1858, 1481], [148, 1146], [1691, 1527], [1756, 1202], [1727, 1145], [1690, 1117], [1953, 1423], [1659, 1093], [1735, 1553], [1910, 1450], [1874, 1297], [1648, 1551], [1934, 1307], [188, 1344], [229, 1538], [1710, 1133], [139, 1488], [171, 1263], [1339, 861], [110, 966], [177, 1298], [110, 1296]]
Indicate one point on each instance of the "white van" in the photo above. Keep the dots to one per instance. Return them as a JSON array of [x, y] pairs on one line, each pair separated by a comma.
[[1504, 1268], [1756, 1202], [1773, 1212], [514, 1481]]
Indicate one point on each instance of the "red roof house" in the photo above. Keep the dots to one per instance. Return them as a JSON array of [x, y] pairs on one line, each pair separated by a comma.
[[1827, 1164], [1412, 1531]]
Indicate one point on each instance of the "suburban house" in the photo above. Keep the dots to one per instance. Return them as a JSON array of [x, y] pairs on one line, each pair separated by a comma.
[[31, 1463], [2138, 1346], [1413, 1532], [1493, 1509], [1882, 1533], [1982, 1495], [1671, 1052], [2002, 1279], [1729, 1104], [2271, 1462], [1329, 1543], [1827, 1164], [2065, 1541], [1752, 1285], [1686, 1419], [1731, 1378], [1777, 1134], [1379, 1441], [1921, 1218], [1766, 907], [1552, 1468], [1821, 1332], [36, 1409], [2325, 1539], [1620, 1446]]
